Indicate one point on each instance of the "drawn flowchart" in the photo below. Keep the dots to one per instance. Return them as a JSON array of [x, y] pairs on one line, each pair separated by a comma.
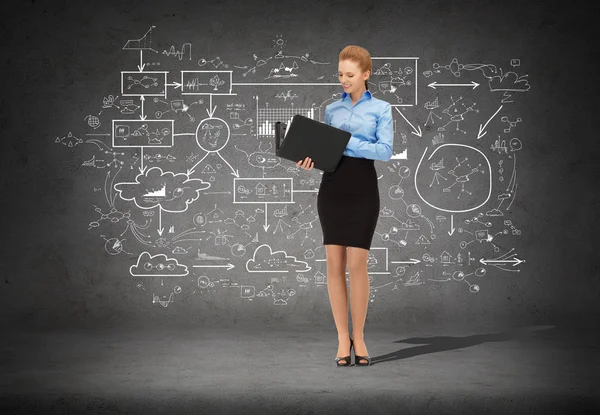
[[451, 182]]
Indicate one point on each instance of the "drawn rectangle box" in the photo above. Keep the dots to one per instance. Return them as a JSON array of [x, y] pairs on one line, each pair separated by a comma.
[[199, 82], [381, 255], [146, 86], [384, 84], [122, 131], [260, 190]]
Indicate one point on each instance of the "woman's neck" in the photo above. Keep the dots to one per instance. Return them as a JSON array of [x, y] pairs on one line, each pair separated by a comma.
[[356, 96]]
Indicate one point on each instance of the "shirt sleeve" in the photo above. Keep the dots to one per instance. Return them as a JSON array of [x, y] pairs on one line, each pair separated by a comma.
[[327, 117], [382, 149]]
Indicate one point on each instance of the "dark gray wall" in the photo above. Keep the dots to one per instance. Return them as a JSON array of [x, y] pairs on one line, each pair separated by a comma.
[[61, 59]]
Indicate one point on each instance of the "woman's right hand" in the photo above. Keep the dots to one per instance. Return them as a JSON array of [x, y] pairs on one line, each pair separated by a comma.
[[307, 164]]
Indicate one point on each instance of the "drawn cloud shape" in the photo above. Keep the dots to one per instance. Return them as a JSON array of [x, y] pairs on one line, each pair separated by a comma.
[[265, 260], [157, 266], [179, 190], [509, 82]]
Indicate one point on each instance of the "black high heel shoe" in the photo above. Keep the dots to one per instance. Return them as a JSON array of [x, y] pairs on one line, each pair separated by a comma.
[[357, 360], [345, 358]]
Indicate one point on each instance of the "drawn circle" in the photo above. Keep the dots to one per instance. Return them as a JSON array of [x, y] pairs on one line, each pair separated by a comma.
[[203, 282], [404, 172], [400, 271], [474, 288], [515, 144], [93, 121], [238, 250], [113, 246], [148, 266], [396, 192], [209, 129], [463, 244], [480, 272], [200, 219], [177, 289], [436, 199], [414, 210], [385, 237], [458, 276]]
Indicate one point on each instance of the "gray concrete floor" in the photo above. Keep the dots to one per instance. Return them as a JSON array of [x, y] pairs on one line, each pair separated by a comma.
[[291, 369]]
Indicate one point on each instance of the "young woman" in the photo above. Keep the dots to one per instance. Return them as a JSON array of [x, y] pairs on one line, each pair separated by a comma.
[[348, 200]]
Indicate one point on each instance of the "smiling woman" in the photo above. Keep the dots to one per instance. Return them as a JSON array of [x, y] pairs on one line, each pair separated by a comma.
[[348, 199]]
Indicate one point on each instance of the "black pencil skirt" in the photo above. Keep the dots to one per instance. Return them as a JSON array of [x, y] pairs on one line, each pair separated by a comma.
[[348, 203]]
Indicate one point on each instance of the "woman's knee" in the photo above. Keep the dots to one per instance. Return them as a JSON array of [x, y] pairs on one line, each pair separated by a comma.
[[336, 259], [357, 260]]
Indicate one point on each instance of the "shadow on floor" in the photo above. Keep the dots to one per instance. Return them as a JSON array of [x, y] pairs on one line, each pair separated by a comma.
[[445, 343]]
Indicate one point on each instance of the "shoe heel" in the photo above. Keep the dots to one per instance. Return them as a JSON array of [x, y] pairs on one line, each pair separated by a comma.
[[357, 360], [347, 359]]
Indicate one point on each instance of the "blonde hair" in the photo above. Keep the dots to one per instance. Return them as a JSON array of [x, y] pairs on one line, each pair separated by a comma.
[[360, 56]]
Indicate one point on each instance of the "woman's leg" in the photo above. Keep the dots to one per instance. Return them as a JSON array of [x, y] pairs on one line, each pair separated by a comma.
[[338, 295], [360, 292]]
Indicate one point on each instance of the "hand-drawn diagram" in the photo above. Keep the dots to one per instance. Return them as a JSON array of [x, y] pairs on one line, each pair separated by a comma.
[[196, 221]]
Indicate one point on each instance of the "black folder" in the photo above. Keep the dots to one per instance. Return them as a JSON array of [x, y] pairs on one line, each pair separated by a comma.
[[305, 137]]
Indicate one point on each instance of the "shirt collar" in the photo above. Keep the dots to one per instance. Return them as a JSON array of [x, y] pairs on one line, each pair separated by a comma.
[[367, 93]]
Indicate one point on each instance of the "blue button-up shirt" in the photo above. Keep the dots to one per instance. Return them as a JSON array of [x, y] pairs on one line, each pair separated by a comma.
[[370, 123]]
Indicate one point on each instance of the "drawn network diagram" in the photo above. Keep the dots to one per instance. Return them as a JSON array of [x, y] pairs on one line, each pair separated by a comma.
[[192, 192]]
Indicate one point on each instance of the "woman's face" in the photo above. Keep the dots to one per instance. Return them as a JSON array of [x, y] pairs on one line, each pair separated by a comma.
[[350, 74]]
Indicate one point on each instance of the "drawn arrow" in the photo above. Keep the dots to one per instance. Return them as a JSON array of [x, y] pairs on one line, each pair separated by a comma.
[[228, 266], [479, 135], [142, 117], [175, 84], [160, 228], [415, 132], [141, 168], [141, 65], [472, 83], [515, 261], [265, 226], [451, 231], [412, 261]]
